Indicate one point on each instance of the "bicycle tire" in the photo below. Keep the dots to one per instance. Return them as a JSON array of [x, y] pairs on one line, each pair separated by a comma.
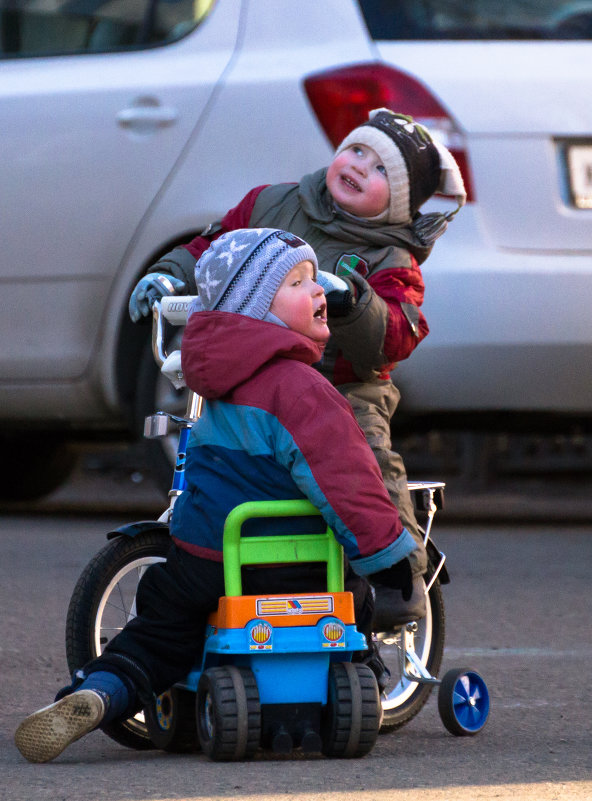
[[403, 700], [115, 568]]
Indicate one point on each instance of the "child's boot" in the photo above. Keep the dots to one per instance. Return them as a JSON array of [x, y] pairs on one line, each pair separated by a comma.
[[43, 735], [100, 697]]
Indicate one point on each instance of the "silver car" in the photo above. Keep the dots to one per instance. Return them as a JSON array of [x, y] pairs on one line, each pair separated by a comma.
[[128, 126]]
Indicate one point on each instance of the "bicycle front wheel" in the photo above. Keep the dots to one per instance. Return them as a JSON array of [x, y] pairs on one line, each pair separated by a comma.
[[103, 601]]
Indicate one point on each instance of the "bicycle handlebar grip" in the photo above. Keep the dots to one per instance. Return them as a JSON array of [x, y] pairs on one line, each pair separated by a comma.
[[175, 308]]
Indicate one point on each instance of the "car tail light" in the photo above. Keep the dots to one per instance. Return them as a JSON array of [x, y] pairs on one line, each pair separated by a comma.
[[342, 97]]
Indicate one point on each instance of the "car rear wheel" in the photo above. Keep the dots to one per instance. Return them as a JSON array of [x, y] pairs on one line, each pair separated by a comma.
[[33, 465]]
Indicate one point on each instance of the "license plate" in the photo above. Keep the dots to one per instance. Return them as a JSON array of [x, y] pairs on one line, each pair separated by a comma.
[[579, 166]]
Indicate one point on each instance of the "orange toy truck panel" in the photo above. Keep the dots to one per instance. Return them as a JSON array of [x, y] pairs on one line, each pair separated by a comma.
[[283, 610]]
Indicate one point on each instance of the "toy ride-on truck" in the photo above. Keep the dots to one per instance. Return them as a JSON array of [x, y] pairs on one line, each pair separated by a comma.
[[276, 670]]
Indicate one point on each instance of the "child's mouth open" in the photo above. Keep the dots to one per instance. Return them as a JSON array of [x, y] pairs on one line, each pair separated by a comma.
[[321, 313], [350, 183]]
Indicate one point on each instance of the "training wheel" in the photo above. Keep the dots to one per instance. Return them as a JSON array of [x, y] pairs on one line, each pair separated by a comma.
[[463, 701]]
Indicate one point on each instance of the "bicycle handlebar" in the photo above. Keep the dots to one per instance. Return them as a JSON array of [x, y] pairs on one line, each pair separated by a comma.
[[174, 309]]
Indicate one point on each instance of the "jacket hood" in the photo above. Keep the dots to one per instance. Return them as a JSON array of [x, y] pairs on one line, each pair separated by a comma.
[[221, 350], [317, 202]]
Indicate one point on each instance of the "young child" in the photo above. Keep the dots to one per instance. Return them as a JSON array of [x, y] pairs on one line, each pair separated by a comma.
[[361, 217], [272, 427]]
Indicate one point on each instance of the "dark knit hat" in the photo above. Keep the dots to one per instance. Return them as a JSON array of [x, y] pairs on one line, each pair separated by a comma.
[[242, 270], [416, 165]]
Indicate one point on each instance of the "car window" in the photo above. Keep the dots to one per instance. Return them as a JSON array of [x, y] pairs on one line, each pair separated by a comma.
[[478, 19], [62, 27]]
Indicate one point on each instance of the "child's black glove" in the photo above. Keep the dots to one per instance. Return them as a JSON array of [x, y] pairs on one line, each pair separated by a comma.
[[397, 577], [339, 294]]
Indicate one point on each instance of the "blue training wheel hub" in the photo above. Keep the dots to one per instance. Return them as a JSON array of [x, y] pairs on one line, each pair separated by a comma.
[[463, 702]]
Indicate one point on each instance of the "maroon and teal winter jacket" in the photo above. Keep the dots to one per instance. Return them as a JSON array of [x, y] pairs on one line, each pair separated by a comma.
[[273, 427]]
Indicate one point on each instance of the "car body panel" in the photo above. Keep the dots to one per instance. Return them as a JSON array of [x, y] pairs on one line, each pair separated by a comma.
[[260, 130], [110, 159], [508, 286], [503, 88], [71, 216], [510, 101]]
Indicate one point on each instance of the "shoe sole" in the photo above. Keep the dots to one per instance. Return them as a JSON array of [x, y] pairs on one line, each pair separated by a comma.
[[45, 734]]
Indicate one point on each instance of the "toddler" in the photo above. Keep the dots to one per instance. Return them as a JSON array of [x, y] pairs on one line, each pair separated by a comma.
[[272, 427]]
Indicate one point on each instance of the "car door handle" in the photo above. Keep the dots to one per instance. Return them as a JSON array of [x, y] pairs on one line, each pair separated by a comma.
[[146, 116]]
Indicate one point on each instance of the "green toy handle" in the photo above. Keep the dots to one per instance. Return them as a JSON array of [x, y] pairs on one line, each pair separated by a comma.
[[275, 549]]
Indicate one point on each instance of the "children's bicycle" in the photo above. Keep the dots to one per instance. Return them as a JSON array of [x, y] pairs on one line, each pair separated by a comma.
[[104, 600]]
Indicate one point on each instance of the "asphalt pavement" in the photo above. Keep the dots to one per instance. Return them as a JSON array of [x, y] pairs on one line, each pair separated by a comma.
[[511, 613], [517, 610]]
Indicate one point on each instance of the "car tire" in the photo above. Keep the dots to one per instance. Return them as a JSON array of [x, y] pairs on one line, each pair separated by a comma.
[[33, 465]]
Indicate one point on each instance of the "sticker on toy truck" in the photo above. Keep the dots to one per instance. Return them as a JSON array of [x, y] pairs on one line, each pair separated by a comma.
[[303, 605], [260, 637], [334, 634]]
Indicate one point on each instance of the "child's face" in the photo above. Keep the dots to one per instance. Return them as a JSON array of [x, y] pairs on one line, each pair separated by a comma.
[[357, 181], [300, 303]]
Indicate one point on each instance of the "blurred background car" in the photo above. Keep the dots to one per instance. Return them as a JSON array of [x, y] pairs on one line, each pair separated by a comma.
[[129, 125]]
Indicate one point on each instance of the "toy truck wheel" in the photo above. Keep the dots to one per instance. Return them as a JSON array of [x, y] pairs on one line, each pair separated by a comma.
[[463, 702], [351, 718], [171, 721], [228, 713]]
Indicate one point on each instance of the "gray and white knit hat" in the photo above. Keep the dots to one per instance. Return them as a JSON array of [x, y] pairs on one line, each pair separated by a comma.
[[242, 270], [417, 166]]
